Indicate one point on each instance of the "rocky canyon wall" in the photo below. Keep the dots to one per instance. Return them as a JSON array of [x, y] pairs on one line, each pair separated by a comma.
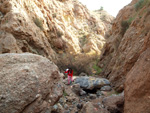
[[129, 39], [50, 28], [125, 59]]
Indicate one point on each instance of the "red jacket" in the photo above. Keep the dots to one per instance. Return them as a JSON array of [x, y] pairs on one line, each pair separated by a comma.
[[69, 73]]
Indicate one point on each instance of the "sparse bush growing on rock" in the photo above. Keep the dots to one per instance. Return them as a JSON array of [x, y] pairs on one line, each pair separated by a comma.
[[59, 33], [83, 40], [54, 15], [140, 4], [124, 27], [125, 24], [38, 23]]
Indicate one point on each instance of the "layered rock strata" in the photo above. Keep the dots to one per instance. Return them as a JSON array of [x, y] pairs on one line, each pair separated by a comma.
[[49, 28], [129, 38]]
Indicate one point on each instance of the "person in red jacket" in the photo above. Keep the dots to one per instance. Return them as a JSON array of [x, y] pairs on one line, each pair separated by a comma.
[[70, 75]]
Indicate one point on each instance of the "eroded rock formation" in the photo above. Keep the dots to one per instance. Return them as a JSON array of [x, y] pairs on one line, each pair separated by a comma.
[[49, 28], [126, 56], [129, 38]]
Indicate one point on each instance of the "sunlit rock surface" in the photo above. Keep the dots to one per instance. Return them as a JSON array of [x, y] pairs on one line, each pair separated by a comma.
[[50, 28]]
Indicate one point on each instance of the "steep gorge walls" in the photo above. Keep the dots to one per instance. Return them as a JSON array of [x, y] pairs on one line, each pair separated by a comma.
[[137, 85], [50, 28], [129, 38]]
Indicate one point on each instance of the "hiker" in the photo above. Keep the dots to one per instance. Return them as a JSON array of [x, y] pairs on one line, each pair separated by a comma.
[[70, 74]]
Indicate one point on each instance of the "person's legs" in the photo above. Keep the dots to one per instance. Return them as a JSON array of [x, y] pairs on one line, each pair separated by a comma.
[[71, 78], [68, 79]]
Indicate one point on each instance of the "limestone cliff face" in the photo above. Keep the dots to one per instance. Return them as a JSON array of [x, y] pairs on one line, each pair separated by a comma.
[[49, 27], [129, 38]]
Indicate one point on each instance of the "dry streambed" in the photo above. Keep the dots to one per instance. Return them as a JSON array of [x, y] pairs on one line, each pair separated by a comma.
[[89, 95]]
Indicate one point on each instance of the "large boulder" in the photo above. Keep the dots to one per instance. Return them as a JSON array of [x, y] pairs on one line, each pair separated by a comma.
[[90, 83], [77, 90], [114, 103], [88, 108], [28, 83]]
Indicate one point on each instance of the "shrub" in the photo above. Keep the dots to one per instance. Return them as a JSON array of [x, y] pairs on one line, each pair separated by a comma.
[[140, 4], [130, 20], [54, 15], [38, 23], [97, 69], [125, 24], [101, 8], [78, 64], [65, 93], [124, 27], [83, 40]]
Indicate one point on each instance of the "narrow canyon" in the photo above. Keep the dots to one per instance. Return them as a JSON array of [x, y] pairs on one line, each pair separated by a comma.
[[109, 56]]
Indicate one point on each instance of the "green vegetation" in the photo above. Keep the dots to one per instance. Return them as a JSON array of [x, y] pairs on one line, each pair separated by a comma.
[[65, 93], [54, 15], [97, 69], [101, 8], [38, 23], [125, 25], [140, 4], [130, 20], [6, 21], [83, 40]]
